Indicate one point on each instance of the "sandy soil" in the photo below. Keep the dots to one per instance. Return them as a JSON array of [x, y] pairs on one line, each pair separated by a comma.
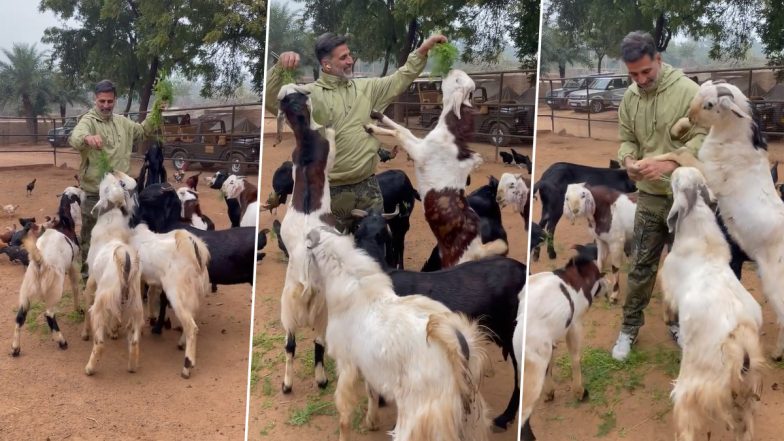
[[45, 393], [288, 417], [629, 401]]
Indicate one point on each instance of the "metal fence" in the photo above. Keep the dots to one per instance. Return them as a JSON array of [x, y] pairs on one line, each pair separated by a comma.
[[207, 135], [581, 103]]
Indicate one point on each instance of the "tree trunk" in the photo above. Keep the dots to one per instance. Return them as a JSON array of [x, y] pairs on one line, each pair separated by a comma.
[[562, 72], [386, 61], [130, 99], [662, 34], [409, 44], [146, 92], [599, 64], [27, 109], [62, 113], [315, 73]]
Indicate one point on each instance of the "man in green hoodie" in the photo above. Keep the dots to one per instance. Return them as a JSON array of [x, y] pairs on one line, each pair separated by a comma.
[[99, 132], [659, 97], [345, 103]]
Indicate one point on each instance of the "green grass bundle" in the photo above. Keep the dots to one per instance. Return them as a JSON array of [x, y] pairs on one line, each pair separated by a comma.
[[104, 166], [289, 76], [164, 92], [444, 56]]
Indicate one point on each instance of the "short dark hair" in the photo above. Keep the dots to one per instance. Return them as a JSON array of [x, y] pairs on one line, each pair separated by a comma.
[[105, 86], [636, 45], [326, 43]]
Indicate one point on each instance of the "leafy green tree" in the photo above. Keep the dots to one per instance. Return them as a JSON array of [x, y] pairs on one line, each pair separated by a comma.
[[559, 49], [26, 83]]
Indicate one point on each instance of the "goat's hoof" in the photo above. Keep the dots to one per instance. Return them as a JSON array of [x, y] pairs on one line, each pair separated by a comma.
[[16, 351], [181, 346], [497, 429], [550, 396], [552, 255], [322, 384], [157, 330], [89, 371], [286, 389], [584, 396], [370, 427], [368, 129], [62, 344], [777, 358], [167, 324], [131, 370], [85, 337], [214, 289], [152, 321], [186, 373], [376, 115]]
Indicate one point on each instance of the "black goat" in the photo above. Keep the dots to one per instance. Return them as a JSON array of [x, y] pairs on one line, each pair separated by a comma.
[[552, 188], [506, 157], [153, 171], [399, 196], [488, 290]]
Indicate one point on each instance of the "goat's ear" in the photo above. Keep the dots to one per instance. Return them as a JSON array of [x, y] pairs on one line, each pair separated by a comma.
[[728, 103], [707, 195], [596, 289], [681, 206], [757, 138]]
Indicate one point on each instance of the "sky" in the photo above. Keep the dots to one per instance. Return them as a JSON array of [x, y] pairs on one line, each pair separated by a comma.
[[21, 22]]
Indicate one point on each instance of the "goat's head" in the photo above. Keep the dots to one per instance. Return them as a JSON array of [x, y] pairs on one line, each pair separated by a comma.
[[216, 181], [511, 189], [233, 186], [716, 101], [294, 103], [688, 187], [457, 88], [188, 198], [117, 190], [159, 207], [373, 234], [578, 201]]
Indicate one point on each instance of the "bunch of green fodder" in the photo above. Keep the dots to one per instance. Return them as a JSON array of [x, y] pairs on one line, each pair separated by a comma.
[[444, 56]]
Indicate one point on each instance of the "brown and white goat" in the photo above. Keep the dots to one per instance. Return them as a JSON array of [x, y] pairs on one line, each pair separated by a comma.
[[412, 349], [443, 162], [720, 377], [309, 207], [53, 256], [191, 209], [114, 283], [236, 187], [610, 216], [556, 304]]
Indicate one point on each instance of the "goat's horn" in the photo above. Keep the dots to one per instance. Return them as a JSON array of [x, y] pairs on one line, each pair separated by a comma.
[[393, 214], [359, 213]]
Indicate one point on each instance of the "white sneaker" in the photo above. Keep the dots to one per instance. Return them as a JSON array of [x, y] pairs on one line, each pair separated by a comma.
[[622, 346]]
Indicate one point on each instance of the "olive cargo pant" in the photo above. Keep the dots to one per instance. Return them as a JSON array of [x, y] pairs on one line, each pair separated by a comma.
[[88, 222], [650, 236], [364, 195]]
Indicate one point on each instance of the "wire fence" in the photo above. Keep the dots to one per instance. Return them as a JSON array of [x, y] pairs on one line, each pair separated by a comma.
[[210, 136], [580, 105]]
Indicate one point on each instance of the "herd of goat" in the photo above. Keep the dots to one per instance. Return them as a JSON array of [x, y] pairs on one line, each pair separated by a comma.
[[726, 210], [150, 241], [422, 344]]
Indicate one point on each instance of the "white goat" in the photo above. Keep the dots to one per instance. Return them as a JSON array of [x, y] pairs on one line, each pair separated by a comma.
[[52, 256], [556, 304], [437, 395], [235, 187], [610, 216], [308, 207], [443, 162], [114, 285], [734, 160], [720, 376], [512, 191]]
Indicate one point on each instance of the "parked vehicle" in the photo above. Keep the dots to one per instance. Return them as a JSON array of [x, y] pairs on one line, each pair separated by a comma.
[[205, 140], [58, 137], [558, 98], [497, 122], [423, 93], [599, 95]]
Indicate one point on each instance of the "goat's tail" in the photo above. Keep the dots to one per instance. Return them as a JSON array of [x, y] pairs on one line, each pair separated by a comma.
[[746, 363], [198, 253], [463, 343]]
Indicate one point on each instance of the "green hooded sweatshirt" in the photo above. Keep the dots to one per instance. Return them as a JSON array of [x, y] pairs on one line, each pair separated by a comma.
[[345, 104], [646, 117], [118, 134]]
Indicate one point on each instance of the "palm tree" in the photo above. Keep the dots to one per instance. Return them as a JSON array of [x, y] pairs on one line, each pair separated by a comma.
[[24, 80], [64, 93]]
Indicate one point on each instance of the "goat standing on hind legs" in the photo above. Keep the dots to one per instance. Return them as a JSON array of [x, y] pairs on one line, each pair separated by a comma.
[[309, 206], [720, 376], [52, 257], [443, 162]]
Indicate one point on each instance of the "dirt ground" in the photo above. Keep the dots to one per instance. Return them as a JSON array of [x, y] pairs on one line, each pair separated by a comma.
[[308, 413], [629, 401], [603, 125], [45, 393]]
